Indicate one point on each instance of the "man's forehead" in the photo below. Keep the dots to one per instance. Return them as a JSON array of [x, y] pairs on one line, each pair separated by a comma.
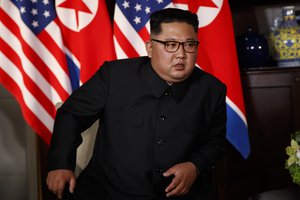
[[177, 27]]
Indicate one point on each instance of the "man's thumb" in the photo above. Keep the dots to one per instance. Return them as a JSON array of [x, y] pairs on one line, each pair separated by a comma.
[[169, 172]]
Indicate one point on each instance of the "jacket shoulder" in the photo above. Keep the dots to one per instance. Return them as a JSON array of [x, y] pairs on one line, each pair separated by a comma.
[[209, 79], [128, 63]]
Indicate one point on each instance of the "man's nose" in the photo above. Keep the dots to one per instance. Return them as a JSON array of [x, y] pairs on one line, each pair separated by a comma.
[[181, 52]]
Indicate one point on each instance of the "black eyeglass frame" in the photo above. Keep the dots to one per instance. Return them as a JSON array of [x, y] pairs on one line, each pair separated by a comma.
[[180, 43]]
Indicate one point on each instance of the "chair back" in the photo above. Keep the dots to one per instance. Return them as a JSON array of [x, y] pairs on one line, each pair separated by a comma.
[[85, 150]]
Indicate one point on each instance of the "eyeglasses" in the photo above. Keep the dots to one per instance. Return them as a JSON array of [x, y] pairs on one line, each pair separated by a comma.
[[173, 46]]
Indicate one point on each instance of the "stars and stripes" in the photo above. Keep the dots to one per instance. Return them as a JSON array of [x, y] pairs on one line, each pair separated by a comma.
[[37, 66], [36, 14], [131, 25], [33, 65]]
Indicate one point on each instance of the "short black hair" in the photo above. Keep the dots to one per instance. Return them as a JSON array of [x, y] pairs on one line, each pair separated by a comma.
[[170, 15]]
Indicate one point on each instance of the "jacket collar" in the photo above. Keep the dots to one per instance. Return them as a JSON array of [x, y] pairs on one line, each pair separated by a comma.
[[159, 86]]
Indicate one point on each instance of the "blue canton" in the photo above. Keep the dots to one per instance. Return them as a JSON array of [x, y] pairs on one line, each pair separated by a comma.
[[138, 12], [36, 14]]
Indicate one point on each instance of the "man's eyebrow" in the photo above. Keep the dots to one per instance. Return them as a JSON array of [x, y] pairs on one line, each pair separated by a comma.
[[186, 40]]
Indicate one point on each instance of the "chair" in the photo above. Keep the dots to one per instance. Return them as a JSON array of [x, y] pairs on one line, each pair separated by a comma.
[[279, 194], [85, 150]]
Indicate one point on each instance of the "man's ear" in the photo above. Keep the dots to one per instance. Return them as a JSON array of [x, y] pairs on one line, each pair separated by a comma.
[[149, 48]]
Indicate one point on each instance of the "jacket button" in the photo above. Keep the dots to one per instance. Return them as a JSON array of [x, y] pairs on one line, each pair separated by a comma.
[[160, 142], [162, 117], [167, 93], [158, 170]]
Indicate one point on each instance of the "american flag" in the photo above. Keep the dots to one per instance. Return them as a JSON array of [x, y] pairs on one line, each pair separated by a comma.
[[36, 64], [217, 54], [131, 25]]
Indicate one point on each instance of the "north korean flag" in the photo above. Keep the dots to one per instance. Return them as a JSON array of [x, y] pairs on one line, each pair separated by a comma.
[[87, 34], [217, 55]]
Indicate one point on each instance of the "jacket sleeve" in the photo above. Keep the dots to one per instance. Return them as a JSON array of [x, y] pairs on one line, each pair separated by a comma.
[[205, 156], [79, 112]]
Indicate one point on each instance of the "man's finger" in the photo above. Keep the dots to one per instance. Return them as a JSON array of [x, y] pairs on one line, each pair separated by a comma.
[[72, 185], [169, 172], [60, 188], [177, 190], [59, 194], [174, 183]]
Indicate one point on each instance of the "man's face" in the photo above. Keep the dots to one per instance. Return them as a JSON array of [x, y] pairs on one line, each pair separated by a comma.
[[177, 66]]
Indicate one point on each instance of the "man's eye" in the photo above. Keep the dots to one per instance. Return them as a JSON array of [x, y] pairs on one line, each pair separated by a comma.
[[190, 44], [171, 44]]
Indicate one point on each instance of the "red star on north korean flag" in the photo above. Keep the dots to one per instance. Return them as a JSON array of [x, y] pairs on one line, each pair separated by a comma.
[[195, 4], [77, 5]]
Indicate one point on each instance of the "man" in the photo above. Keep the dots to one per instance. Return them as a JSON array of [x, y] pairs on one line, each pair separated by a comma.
[[163, 123]]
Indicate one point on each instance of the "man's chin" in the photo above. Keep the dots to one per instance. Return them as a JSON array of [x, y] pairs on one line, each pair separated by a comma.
[[177, 79]]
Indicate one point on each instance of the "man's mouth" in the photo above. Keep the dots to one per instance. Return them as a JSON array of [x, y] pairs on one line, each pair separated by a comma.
[[179, 66]]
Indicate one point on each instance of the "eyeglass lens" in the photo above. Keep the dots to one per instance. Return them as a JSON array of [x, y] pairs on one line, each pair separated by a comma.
[[189, 46]]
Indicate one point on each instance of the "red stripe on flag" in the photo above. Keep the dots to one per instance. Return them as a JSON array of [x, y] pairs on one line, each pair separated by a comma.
[[144, 34], [29, 116], [34, 58], [180, 1], [30, 85], [55, 50], [124, 43]]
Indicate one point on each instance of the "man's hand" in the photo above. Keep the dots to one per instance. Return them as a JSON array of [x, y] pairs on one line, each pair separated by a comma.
[[185, 175], [57, 179]]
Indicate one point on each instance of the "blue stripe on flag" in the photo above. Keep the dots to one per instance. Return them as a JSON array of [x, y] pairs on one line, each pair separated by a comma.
[[73, 73], [237, 132]]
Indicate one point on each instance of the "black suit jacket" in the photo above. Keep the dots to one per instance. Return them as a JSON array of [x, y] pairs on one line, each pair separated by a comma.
[[146, 127]]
